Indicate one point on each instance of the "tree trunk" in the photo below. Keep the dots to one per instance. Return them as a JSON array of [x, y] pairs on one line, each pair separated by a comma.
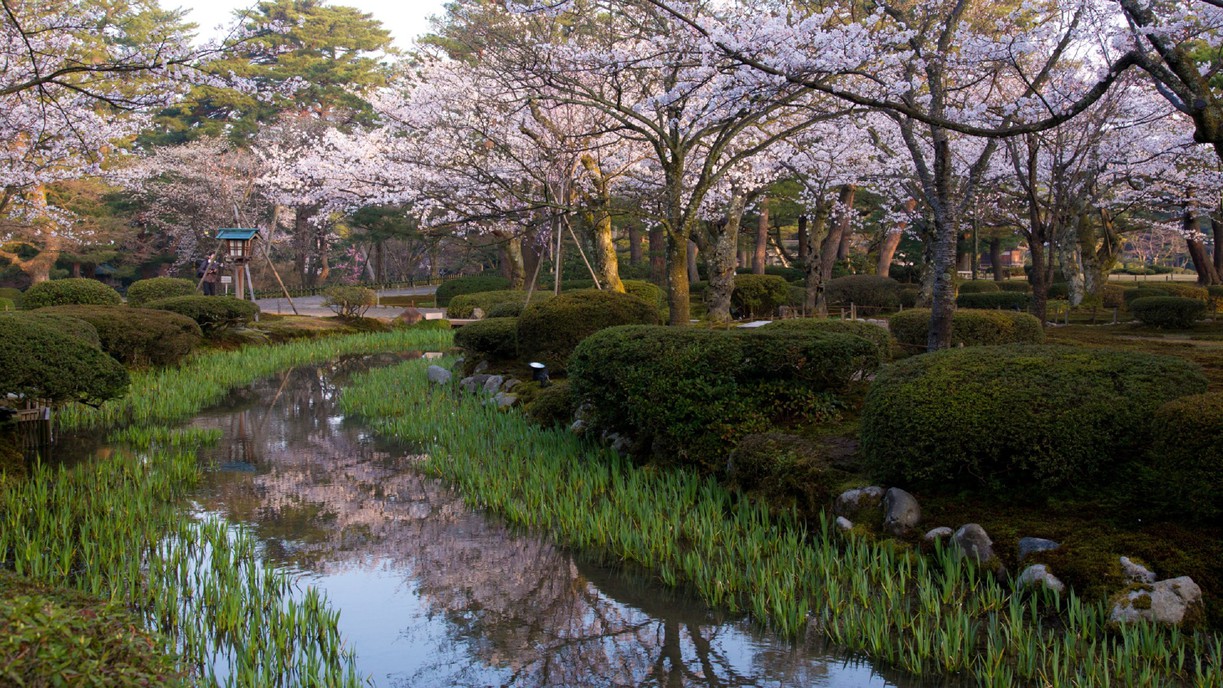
[[694, 275], [1071, 260], [50, 244], [514, 262], [1039, 279], [831, 246], [303, 240], [634, 244], [995, 258], [845, 216], [606, 263], [1217, 227], [380, 261], [891, 240], [1203, 263], [817, 236], [658, 255], [677, 278], [802, 239], [720, 259], [762, 238]]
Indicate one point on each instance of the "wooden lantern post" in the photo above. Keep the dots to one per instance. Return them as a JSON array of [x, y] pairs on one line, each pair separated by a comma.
[[239, 249]]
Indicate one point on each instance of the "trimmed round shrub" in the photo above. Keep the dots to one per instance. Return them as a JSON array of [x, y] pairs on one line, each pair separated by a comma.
[[495, 338], [64, 324], [997, 300], [465, 305], [1215, 291], [349, 301], [1036, 417], [41, 362], [211, 313], [869, 293], [469, 285], [908, 295], [7, 304], [1172, 312], [650, 293], [757, 296], [140, 336], [968, 328], [1186, 291], [553, 405], [1015, 286], [690, 394], [871, 332], [11, 294], [68, 292], [1132, 295], [1113, 295], [1184, 473], [549, 331], [979, 287], [143, 291], [509, 309]]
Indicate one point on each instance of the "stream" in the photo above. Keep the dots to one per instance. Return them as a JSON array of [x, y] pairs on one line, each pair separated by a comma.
[[434, 593]]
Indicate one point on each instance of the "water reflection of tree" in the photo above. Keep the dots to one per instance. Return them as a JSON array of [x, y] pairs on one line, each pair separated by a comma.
[[324, 498]]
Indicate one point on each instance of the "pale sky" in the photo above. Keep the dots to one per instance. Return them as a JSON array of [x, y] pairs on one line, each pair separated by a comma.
[[405, 19]]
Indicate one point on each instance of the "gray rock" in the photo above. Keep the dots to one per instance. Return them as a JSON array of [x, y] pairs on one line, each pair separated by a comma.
[[584, 411], [492, 385], [505, 400], [939, 533], [844, 524], [510, 384], [1135, 572], [458, 363], [578, 427], [619, 443], [1038, 574], [473, 383], [480, 367], [438, 375], [410, 316], [974, 542], [1167, 602], [477, 313], [850, 502], [1031, 545], [901, 512]]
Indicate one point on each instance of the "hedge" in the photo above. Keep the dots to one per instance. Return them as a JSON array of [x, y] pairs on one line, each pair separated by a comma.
[[139, 336], [141, 292], [465, 305], [44, 363], [793, 275], [1186, 291], [757, 296], [998, 300], [1132, 295], [869, 293], [1113, 295], [7, 304], [691, 394], [495, 338], [1184, 476], [908, 294], [211, 313], [469, 285], [979, 287], [349, 301], [968, 328], [871, 332], [1015, 286], [71, 291], [1022, 416], [549, 331], [11, 294], [1174, 312], [64, 324]]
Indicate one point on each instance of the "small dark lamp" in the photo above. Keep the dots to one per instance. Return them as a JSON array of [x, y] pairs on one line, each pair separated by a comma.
[[539, 373]]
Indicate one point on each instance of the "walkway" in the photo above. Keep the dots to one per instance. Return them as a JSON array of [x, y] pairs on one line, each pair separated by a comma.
[[313, 305]]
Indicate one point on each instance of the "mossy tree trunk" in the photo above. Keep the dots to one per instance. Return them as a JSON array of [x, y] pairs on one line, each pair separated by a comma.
[[721, 258]]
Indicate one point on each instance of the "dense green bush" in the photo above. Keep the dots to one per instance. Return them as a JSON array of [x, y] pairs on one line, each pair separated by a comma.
[[758, 296], [788, 469], [968, 328], [1215, 292], [869, 293], [793, 275], [7, 304], [44, 363], [1184, 472], [1186, 291], [691, 394], [465, 305], [1132, 295], [469, 285], [349, 301], [64, 324], [1113, 295], [72, 291], [11, 294], [979, 287], [998, 300], [871, 332], [211, 313], [1037, 417], [549, 331], [494, 338], [508, 309], [1059, 291], [908, 294], [140, 336], [645, 290], [141, 292], [1174, 312], [1015, 286], [553, 405]]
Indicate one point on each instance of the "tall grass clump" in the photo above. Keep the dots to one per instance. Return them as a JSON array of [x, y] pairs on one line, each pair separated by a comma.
[[115, 529], [927, 615], [173, 394]]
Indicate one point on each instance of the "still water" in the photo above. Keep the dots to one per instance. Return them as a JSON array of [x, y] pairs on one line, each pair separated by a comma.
[[432, 593]]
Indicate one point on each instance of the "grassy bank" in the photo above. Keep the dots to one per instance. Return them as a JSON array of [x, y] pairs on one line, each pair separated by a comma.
[[925, 615]]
